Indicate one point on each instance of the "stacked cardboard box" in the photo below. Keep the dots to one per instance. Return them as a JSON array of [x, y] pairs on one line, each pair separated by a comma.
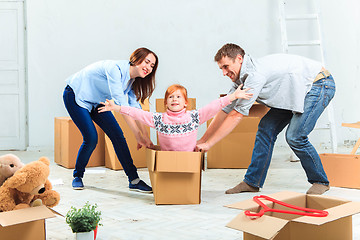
[[280, 226], [24, 224], [175, 176], [235, 150], [343, 169], [138, 156], [68, 140]]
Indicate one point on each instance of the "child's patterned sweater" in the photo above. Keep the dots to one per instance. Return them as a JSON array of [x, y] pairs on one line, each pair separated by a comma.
[[177, 131]]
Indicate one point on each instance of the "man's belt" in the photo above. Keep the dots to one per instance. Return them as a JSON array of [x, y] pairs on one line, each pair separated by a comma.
[[322, 75]]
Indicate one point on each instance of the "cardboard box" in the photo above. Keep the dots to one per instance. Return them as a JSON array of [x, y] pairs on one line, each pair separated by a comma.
[[258, 110], [279, 226], [68, 140], [235, 150], [342, 170], [138, 156], [24, 224], [160, 107], [175, 176]]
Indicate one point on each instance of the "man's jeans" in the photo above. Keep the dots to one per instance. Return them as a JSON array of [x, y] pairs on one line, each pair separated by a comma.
[[83, 119], [300, 125]]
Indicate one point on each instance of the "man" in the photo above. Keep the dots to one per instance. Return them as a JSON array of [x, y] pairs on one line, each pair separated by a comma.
[[296, 90]]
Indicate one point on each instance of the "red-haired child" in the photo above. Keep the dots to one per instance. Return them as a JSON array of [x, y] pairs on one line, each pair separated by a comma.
[[177, 128]]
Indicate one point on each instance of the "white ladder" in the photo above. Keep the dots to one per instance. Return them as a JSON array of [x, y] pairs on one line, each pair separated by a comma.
[[317, 42]]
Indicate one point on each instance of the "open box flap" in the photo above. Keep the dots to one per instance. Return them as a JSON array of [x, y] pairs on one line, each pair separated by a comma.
[[57, 213], [150, 159], [203, 161], [265, 227], [25, 215], [250, 204], [337, 199], [340, 211]]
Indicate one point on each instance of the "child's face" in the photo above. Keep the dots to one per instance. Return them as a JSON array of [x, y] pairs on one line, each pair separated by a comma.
[[176, 101]]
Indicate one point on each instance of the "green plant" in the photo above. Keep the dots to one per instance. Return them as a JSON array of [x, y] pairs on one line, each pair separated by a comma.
[[84, 219]]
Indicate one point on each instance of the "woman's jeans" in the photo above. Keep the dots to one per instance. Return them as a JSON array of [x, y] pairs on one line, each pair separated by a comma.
[[83, 119], [300, 125]]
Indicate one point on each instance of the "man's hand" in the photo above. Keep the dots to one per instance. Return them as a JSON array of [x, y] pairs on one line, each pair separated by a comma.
[[200, 141], [202, 147]]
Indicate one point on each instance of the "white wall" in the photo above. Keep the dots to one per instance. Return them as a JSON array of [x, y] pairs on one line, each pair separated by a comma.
[[63, 36]]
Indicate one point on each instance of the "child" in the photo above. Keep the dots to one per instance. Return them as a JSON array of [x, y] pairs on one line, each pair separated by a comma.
[[177, 128]]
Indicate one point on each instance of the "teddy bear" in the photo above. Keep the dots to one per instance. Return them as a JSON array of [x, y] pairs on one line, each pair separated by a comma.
[[9, 164], [29, 186]]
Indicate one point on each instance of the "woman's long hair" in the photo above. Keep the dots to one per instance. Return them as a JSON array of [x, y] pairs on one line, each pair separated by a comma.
[[143, 87]]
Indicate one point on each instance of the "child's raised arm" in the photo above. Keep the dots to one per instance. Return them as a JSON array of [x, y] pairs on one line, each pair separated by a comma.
[[135, 113], [239, 93]]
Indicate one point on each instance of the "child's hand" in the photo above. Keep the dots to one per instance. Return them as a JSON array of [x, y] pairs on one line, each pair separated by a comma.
[[108, 106], [239, 93]]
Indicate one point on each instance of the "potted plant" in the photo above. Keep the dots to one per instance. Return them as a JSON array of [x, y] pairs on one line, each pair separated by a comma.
[[84, 221]]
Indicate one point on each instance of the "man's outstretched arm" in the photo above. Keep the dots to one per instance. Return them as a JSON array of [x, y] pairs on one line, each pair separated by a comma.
[[221, 126]]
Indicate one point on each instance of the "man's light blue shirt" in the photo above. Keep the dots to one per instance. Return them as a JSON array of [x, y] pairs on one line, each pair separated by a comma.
[[103, 80], [277, 81]]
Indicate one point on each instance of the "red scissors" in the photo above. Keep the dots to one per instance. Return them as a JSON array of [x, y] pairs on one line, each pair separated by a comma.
[[305, 211]]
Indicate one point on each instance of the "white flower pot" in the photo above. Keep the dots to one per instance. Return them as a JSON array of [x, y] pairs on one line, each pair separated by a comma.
[[84, 235]]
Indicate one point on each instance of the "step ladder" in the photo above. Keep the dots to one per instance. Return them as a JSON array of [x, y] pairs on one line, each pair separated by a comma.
[[286, 44]]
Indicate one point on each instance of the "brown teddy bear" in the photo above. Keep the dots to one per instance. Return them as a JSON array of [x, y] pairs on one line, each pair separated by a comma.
[[27, 185], [9, 164]]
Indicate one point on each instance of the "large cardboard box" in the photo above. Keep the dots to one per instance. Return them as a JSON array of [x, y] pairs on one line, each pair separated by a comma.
[[175, 176], [279, 226], [235, 150], [342, 170], [160, 107], [138, 156], [24, 224], [68, 140]]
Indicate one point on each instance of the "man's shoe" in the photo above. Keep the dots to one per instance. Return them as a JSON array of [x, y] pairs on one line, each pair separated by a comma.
[[141, 186], [242, 187], [77, 184], [318, 189]]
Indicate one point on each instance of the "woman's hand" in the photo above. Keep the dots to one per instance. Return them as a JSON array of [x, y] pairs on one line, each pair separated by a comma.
[[144, 141], [149, 143], [140, 141], [239, 93], [109, 106]]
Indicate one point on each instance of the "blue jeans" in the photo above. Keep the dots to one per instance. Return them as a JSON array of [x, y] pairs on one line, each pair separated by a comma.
[[300, 126], [83, 119]]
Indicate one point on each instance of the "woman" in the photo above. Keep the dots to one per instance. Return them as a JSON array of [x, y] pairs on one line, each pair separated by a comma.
[[126, 83]]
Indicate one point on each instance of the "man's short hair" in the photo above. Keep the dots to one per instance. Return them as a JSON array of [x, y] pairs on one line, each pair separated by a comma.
[[230, 50]]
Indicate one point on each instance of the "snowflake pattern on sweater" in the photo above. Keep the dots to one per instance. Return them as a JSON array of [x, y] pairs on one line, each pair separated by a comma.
[[176, 129]]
